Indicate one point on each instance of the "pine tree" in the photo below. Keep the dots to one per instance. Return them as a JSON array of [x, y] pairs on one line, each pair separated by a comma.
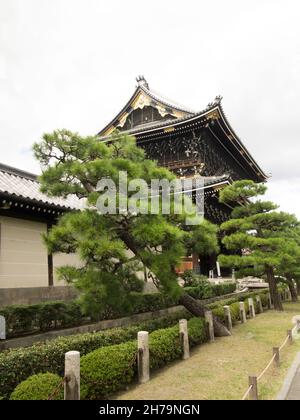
[[289, 269], [115, 248], [256, 234]]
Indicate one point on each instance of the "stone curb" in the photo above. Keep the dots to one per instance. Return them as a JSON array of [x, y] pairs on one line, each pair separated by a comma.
[[283, 393]]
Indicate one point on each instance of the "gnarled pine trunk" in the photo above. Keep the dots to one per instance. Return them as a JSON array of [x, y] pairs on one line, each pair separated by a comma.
[[274, 290], [197, 309], [191, 304], [298, 286], [293, 290]]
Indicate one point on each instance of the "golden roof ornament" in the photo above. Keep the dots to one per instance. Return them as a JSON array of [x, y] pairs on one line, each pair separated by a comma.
[[141, 81]]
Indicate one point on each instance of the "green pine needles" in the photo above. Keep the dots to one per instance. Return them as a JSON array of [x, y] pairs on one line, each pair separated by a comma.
[[261, 240]]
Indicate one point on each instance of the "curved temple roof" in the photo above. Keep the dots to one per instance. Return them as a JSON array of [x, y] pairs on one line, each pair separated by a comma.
[[22, 185], [142, 97], [180, 119], [18, 185]]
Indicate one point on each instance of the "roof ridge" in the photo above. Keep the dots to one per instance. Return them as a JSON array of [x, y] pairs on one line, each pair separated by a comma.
[[18, 172], [143, 88], [160, 124], [166, 101]]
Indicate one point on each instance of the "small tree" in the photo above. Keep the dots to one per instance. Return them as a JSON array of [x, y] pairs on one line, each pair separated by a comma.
[[256, 234], [115, 246], [289, 268]]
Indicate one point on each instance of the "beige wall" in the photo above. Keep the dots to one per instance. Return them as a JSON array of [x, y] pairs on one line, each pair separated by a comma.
[[23, 255], [60, 260]]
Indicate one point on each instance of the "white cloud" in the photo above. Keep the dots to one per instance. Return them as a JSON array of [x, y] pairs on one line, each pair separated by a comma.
[[72, 63], [286, 193]]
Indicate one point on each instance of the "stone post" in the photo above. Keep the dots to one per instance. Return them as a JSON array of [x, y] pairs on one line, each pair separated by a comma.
[[290, 335], [253, 394], [72, 375], [298, 326], [243, 317], [143, 357], [2, 328], [228, 321], [269, 301], [210, 325], [251, 308], [184, 338], [259, 304], [277, 356]]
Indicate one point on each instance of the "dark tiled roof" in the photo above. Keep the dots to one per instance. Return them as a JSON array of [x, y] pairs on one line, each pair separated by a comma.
[[143, 88], [167, 102], [25, 185], [168, 122], [210, 181]]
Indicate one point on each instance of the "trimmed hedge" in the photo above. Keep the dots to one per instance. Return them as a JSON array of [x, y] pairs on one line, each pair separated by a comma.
[[18, 364], [107, 370], [38, 387], [25, 319], [110, 369], [218, 307], [28, 319], [208, 291]]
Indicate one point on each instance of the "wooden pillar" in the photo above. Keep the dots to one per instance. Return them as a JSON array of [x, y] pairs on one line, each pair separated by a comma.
[[143, 357], [253, 394], [196, 265], [2, 328], [290, 335], [184, 338], [251, 308], [243, 317], [259, 304], [269, 301], [72, 376], [277, 356], [50, 262], [210, 325], [228, 320]]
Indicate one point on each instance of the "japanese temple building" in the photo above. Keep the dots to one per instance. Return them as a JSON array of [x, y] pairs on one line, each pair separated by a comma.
[[191, 144], [26, 269]]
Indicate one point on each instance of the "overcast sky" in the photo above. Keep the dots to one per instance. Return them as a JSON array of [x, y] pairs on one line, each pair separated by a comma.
[[72, 64]]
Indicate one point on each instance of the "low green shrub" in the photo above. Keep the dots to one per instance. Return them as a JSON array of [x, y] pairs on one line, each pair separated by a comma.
[[240, 298], [107, 370], [39, 387], [149, 302], [218, 307], [110, 369], [134, 284], [18, 364], [28, 319], [192, 279], [164, 346], [25, 319], [206, 290]]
